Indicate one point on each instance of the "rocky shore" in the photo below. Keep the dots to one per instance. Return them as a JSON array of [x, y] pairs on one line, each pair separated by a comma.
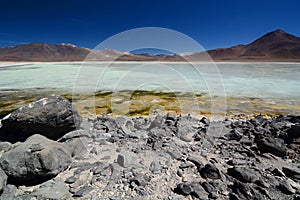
[[48, 151]]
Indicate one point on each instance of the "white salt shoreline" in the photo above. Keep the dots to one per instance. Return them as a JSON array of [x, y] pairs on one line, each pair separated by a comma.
[[8, 64], [11, 63]]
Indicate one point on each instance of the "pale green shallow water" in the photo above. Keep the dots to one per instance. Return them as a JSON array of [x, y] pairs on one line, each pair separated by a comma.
[[257, 80]]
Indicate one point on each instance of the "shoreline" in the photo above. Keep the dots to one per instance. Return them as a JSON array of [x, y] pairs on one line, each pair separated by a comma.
[[14, 63], [145, 103]]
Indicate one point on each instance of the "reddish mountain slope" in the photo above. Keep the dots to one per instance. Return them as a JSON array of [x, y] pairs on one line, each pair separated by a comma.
[[43, 52], [274, 46]]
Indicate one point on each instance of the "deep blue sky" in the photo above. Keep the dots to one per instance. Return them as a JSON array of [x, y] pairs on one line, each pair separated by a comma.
[[86, 23]]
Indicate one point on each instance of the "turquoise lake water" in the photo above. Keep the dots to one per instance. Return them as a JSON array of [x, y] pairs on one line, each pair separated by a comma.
[[258, 80]]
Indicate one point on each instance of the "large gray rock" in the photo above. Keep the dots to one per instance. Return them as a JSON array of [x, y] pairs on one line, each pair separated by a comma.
[[210, 171], [3, 180], [77, 141], [243, 174], [274, 146], [11, 192], [52, 117], [292, 173], [77, 147], [37, 159], [53, 189], [244, 191], [126, 159]]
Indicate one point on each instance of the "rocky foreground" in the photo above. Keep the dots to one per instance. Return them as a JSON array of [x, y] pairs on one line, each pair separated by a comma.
[[49, 152]]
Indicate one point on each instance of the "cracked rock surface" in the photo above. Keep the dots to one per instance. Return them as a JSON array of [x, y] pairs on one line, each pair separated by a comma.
[[158, 157]]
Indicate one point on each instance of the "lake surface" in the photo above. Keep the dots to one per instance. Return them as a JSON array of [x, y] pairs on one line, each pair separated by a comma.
[[257, 80], [231, 89]]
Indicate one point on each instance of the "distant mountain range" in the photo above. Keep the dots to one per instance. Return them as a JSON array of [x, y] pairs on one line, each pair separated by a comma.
[[274, 46]]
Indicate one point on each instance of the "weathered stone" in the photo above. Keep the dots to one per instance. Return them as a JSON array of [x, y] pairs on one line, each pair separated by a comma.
[[141, 179], [74, 134], [278, 172], [155, 166], [198, 191], [3, 180], [286, 188], [11, 192], [274, 146], [174, 153], [186, 133], [5, 146], [126, 125], [233, 135], [243, 174], [186, 165], [236, 162], [196, 160], [261, 182], [70, 180], [294, 131], [210, 171], [99, 168], [208, 187], [187, 128], [244, 191], [52, 117], [37, 159], [291, 173], [204, 120], [157, 122], [126, 159], [183, 189], [82, 191], [77, 147], [53, 189]]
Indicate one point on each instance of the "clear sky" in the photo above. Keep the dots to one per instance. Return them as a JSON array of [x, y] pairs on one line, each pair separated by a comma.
[[86, 23]]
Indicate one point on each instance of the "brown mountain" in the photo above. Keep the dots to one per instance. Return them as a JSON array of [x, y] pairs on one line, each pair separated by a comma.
[[43, 52], [110, 55], [277, 45], [150, 57], [274, 46]]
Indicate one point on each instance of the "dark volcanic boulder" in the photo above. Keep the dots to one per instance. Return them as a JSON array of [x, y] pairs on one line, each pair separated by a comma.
[[274, 146], [243, 174], [183, 189], [37, 159], [52, 117], [294, 131], [210, 171], [244, 191], [292, 173], [194, 189]]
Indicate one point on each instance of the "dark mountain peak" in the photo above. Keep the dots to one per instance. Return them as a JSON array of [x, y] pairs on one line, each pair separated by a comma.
[[276, 36], [275, 45], [279, 31], [35, 43]]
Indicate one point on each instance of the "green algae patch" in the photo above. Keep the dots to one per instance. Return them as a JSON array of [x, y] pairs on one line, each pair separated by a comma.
[[141, 103]]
